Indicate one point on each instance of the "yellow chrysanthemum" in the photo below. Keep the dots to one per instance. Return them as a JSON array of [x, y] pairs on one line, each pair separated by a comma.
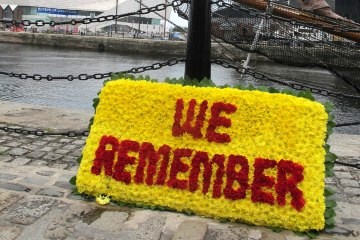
[[103, 199], [268, 126]]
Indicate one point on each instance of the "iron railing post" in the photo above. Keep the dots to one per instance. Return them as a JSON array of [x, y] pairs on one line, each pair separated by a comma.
[[198, 51]]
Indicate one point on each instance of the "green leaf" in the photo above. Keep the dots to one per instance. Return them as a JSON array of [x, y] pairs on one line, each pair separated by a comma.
[[329, 166], [73, 180], [330, 157], [161, 208], [331, 124], [263, 89], [113, 76], [329, 173], [188, 212], [288, 92], [306, 94], [299, 233], [122, 204], [327, 148], [273, 90], [276, 229], [329, 226], [328, 192], [250, 87], [79, 159], [206, 83], [240, 86], [223, 220], [328, 107], [75, 192], [91, 122], [330, 221], [96, 102], [329, 203], [330, 213], [312, 234]]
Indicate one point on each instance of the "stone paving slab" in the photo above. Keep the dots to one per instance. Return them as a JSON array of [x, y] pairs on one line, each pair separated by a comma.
[[36, 201]]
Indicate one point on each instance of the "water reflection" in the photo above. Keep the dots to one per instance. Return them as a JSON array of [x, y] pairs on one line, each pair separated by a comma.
[[79, 94]]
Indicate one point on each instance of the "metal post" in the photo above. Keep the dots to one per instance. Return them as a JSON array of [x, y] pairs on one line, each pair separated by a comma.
[[198, 51], [116, 13], [165, 21], [139, 19]]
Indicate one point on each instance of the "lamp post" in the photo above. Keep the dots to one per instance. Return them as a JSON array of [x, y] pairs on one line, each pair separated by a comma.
[[116, 13]]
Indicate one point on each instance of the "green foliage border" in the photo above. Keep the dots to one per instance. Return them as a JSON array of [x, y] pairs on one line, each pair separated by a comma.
[[330, 158]]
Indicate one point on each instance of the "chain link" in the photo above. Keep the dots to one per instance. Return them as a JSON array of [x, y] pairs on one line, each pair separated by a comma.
[[353, 165], [84, 77], [347, 124], [41, 23], [296, 86], [40, 133], [174, 61], [71, 134]]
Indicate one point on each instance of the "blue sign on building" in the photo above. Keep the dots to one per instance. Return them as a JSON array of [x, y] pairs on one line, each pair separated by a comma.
[[56, 11]]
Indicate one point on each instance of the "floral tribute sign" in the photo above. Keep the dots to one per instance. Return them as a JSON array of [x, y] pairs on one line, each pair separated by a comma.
[[224, 153]]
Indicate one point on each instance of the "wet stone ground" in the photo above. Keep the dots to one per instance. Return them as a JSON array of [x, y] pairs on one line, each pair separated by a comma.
[[36, 201]]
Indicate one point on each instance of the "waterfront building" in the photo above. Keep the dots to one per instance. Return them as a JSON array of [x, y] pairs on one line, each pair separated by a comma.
[[53, 10]]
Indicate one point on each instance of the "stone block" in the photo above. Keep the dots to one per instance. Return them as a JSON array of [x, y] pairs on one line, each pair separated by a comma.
[[59, 166], [343, 175], [52, 156], [17, 151], [28, 210], [190, 229], [13, 187], [3, 149], [349, 183], [352, 191], [151, 229], [50, 192], [47, 149], [62, 151], [13, 144], [7, 199], [64, 184], [20, 161], [38, 163], [10, 232], [7, 176], [45, 173], [6, 158], [36, 154], [34, 181], [110, 221]]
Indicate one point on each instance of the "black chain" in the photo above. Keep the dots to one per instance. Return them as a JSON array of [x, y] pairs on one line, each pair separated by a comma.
[[174, 61], [142, 11], [353, 165], [84, 77], [156, 66], [296, 86], [347, 124], [268, 16], [40, 133]]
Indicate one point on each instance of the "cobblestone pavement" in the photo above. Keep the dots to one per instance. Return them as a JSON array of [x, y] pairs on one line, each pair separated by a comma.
[[36, 200]]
